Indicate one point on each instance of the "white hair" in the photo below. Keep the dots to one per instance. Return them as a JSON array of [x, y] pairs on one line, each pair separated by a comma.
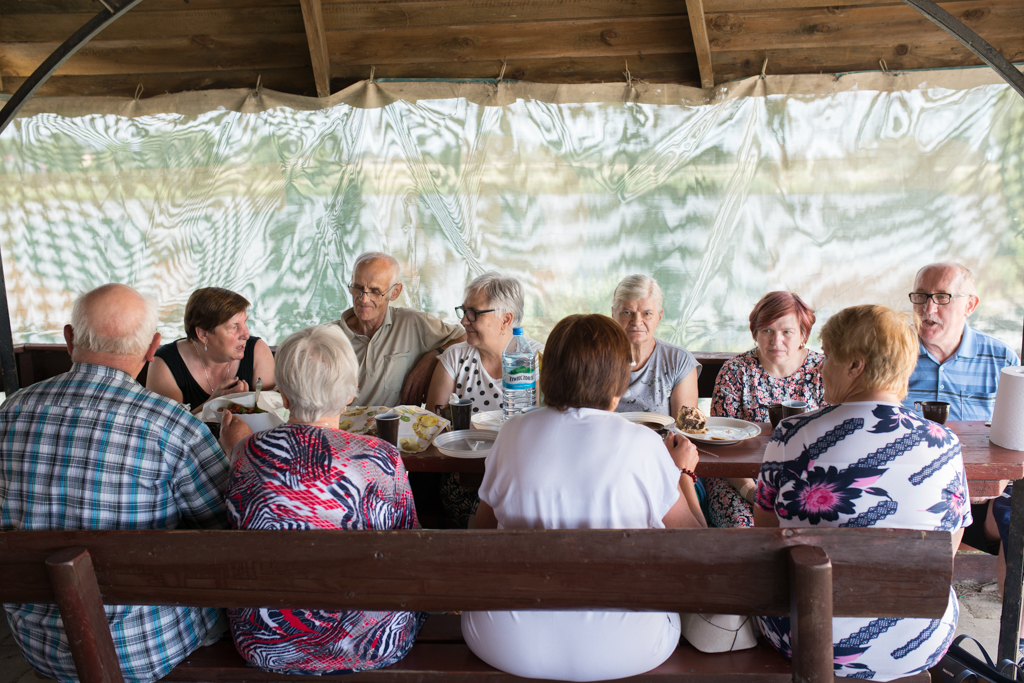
[[966, 281], [317, 370], [396, 269], [637, 287], [504, 294], [134, 342]]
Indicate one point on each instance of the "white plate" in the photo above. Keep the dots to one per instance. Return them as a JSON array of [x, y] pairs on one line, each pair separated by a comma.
[[490, 420], [460, 444], [725, 430], [653, 418]]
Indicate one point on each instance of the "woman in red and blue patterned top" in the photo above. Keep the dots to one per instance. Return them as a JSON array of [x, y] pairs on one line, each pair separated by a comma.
[[308, 474]]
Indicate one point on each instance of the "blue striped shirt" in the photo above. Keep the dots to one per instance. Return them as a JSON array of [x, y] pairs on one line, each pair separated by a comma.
[[91, 449], [968, 380]]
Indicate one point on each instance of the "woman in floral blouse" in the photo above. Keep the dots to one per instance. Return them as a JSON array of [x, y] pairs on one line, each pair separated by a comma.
[[779, 368], [867, 461]]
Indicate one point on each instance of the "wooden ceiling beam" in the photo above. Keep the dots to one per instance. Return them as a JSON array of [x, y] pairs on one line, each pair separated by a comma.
[[313, 18], [695, 10]]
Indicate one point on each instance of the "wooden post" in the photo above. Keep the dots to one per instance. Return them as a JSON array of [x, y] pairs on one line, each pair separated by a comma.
[[316, 36], [702, 48], [85, 622], [810, 612]]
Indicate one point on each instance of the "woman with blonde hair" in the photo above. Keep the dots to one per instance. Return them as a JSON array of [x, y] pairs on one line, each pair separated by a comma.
[[865, 460]]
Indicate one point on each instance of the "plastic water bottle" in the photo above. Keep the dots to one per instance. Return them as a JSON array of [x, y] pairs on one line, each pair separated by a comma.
[[518, 375]]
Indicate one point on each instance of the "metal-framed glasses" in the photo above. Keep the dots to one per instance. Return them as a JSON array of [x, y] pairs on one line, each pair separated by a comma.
[[470, 314], [372, 294], [941, 298]]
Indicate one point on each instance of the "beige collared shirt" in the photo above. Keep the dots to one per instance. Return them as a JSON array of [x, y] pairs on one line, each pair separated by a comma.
[[386, 358]]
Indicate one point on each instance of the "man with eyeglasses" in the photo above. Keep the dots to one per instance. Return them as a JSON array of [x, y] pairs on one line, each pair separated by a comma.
[[397, 347], [956, 363]]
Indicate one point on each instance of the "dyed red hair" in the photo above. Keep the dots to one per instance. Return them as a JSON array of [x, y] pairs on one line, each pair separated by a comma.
[[775, 305]]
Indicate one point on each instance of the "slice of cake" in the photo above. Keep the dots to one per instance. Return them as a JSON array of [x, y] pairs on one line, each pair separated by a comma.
[[691, 420]]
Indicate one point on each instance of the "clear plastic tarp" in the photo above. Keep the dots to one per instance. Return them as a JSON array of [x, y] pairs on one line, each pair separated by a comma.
[[838, 189]]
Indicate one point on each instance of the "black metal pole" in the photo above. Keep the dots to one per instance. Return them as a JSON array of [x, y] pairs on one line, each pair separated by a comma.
[[1013, 586], [972, 41], [7, 114]]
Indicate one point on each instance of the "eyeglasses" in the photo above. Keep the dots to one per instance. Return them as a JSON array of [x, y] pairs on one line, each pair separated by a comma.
[[941, 298], [372, 294], [470, 314]]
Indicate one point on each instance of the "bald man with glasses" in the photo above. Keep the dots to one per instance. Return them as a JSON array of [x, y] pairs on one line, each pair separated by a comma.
[[397, 347]]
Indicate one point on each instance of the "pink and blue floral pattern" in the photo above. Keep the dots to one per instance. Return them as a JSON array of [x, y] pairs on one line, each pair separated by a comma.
[[858, 465]]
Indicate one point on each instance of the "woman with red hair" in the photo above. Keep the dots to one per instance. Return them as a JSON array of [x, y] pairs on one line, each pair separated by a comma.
[[779, 368]]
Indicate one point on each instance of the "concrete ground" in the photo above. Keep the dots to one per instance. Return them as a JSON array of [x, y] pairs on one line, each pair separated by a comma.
[[979, 616]]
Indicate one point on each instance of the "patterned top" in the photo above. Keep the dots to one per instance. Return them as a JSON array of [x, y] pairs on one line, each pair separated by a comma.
[[744, 389], [967, 380], [650, 387], [91, 449], [304, 477], [867, 464], [462, 363]]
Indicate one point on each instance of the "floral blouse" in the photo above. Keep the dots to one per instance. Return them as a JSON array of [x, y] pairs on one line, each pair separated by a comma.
[[868, 464], [744, 389]]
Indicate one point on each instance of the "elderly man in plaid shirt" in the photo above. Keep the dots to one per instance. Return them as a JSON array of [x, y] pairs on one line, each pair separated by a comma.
[[92, 449]]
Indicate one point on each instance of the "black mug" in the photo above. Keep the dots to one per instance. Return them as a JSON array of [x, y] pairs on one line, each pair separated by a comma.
[[387, 427], [936, 411], [458, 412], [776, 412], [791, 408]]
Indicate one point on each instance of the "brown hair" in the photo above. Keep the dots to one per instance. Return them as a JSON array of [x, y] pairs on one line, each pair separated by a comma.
[[885, 339], [211, 306], [586, 363], [775, 305]]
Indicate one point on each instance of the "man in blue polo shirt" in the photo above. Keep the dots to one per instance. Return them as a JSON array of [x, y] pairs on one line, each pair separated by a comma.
[[956, 363]]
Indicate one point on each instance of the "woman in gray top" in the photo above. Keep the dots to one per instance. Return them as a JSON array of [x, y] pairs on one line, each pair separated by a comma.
[[664, 376]]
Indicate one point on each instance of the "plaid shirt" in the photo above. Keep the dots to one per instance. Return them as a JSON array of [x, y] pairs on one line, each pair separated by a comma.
[[91, 449], [967, 380]]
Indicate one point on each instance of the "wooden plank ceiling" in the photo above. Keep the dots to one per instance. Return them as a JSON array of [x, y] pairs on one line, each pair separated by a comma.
[[313, 47]]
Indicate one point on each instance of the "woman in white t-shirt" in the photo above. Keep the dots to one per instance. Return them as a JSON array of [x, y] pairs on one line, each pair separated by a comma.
[[491, 308], [578, 465]]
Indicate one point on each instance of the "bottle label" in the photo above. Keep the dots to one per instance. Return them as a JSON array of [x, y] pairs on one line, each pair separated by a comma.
[[520, 377]]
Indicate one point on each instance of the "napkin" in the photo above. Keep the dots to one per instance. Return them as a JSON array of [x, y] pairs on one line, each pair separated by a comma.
[[416, 429], [1008, 415]]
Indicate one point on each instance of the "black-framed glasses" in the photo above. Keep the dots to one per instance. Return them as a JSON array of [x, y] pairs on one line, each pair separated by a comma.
[[372, 294], [470, 314], [941, 298]]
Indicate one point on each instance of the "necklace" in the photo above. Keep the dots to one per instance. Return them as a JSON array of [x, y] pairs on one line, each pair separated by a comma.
[[201, 363]]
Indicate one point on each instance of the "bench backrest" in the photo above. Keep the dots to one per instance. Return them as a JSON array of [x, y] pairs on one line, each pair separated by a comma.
[[875, 572]]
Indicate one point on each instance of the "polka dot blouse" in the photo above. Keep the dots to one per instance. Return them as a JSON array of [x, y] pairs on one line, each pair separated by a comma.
[[462, 363]]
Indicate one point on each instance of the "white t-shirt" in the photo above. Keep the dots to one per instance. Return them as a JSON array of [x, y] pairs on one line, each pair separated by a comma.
[[578, 469], [462, 363]]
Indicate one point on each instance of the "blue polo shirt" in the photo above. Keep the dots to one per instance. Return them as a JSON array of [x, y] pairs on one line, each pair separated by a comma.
[[967, 380]]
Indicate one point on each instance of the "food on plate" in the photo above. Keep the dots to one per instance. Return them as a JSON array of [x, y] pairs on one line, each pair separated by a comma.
[[240, 410], [691, 420]]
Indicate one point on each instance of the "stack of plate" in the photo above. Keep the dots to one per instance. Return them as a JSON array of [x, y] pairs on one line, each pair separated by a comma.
[[466, 443]]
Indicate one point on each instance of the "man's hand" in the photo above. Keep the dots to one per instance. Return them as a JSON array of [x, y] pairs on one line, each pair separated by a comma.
[[232, 430], [414, 393]]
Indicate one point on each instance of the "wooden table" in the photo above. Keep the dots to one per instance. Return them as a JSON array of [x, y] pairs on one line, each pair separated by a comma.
[[988, 466]]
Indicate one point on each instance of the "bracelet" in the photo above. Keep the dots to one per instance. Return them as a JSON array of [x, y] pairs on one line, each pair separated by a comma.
[[689, 473]]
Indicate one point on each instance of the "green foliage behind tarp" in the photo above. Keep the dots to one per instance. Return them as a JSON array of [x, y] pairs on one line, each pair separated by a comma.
[[839, 197]]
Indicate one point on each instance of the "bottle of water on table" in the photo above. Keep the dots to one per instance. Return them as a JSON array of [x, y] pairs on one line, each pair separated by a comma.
[[518, 375]]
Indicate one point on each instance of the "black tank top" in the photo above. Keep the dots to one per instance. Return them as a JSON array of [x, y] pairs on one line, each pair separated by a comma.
[[191, 392]]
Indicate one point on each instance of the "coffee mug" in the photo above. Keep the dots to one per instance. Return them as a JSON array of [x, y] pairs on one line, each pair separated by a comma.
[[936, 411], [791, 408], [387, 427], [776, 412], [458, 412]]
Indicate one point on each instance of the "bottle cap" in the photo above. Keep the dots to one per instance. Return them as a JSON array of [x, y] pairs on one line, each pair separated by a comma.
[[517, 330]]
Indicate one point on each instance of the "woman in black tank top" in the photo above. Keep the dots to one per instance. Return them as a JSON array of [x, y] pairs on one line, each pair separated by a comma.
[[217, 355]]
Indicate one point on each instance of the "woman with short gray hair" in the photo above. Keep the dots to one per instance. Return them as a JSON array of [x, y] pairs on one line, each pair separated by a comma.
[[491, 308], [663, 378], [308, 474]]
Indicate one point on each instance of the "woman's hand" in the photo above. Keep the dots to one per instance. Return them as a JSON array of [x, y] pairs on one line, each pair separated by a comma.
[[232, 385], [684, 453]]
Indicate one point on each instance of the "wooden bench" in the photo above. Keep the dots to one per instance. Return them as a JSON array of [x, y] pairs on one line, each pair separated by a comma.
[[809, 574]]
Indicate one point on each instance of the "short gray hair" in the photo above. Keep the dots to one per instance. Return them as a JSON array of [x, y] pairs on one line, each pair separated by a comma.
[[967, 284], [636, 287], [505, 294], [317, 370], [88, 337], [396, 269]]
